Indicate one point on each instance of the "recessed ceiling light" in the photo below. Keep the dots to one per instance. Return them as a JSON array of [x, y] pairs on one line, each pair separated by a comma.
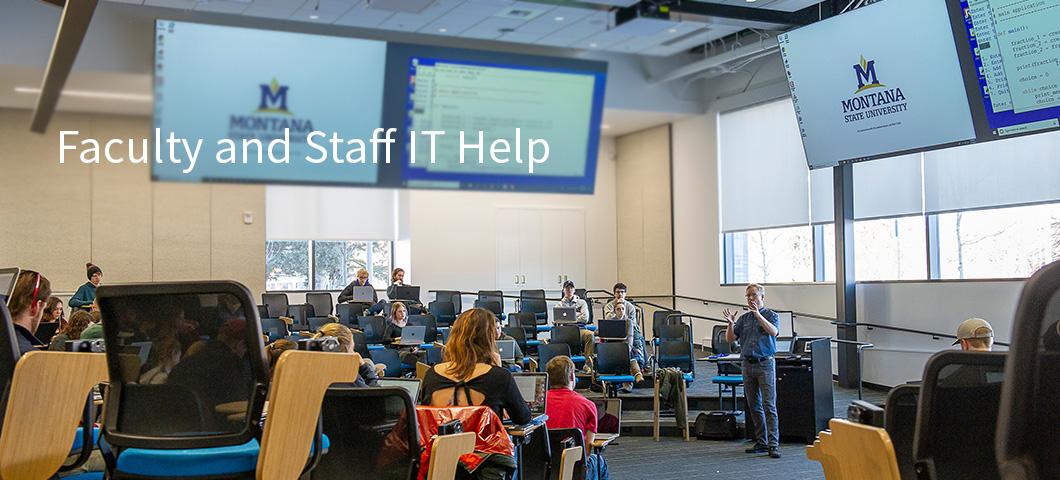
[[672, 30], [604, 126], [132, 97], [443, 30], [592, 45], [314, 17], [751, 1], [559, 19]]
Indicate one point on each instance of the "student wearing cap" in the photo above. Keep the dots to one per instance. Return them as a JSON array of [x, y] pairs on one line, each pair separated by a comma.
[[581, 313], [86, 294], [975, 335]]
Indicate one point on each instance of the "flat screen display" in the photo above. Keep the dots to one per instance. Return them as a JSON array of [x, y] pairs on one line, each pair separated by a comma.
[[879, 81], [508, 98], [1010, 51], [214, 82]]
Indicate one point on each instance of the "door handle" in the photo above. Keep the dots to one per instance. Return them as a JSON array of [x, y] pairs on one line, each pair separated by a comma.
[[517, 279], [523, 279]]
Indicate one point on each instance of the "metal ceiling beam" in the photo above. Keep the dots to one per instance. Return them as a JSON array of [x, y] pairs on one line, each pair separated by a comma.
[[765, 46], [797, 18], [73, 25]]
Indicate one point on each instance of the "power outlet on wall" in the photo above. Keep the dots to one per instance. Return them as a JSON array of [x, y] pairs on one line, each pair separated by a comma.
[[248, 218]]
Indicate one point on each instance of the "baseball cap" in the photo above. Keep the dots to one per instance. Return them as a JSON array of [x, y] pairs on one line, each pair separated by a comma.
[[967, 329]]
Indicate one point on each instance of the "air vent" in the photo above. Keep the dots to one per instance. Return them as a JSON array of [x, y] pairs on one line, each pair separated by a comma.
[[519, 13], [400, 6]]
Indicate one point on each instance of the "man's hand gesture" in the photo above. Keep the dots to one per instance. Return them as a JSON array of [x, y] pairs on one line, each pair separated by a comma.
[[729, 315]]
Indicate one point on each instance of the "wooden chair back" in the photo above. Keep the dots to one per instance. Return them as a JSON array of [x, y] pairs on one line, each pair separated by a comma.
[[568, 460], [446, 453], [828, 462], [860, 452], [48, 393], [299, 382]]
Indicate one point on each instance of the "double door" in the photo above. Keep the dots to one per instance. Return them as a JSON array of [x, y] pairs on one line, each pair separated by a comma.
[[540, 248]]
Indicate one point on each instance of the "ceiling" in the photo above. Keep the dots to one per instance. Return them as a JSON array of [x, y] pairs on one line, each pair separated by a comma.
[[572, 25]]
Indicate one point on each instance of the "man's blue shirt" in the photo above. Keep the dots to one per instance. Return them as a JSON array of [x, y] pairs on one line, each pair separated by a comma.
[[754, 341]]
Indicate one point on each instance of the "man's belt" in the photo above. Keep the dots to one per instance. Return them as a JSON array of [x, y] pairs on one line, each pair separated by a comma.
[[754, 360]]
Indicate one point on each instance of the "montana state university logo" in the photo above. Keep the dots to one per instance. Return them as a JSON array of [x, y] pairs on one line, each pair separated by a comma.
[[273, 98], [866, 74]]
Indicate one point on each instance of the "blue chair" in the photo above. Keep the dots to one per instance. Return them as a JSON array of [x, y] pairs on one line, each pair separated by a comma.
[[322, 302], [444, 312], [730, 375], [361, 423], [549, 351], [570, 335], [276, 304], [534, 305], [204, 421], [674, 349], [374, 328], [451, 296], [389, 358], [612, 366], [316, 322], [431, 327], [485, 297], [348, 313], [274, 328], [300, 315]]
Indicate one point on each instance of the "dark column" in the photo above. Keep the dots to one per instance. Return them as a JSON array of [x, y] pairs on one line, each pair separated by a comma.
[[846, 308]]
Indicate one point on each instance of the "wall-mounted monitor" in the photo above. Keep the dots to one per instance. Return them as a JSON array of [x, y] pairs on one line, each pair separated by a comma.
[[880, 81], [511, 98], [215, 82], [1010, 54]]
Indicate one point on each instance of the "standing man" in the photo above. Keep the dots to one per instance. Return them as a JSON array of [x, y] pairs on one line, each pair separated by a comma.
[[757, 332]]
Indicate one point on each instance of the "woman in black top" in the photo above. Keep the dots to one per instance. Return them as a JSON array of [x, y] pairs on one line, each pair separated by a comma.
[[471, 373]]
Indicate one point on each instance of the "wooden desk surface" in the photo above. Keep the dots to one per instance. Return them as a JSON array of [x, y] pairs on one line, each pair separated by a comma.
[[604, 439], [528, 429]]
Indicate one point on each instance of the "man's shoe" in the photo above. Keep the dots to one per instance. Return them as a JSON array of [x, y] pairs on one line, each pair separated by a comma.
[[774, 452], [757, 448]]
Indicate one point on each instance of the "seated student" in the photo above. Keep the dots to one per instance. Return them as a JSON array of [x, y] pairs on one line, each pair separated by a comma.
[[27, 304], [79, 321], [361, 281], [581, 313], [471, 373], [517, 365], [86, 294], [367, 375], [95, 330], [397, 279], [569, 409], [975, 335], [275, 349], [635, 342], [217, 369], [396, 322], [54, 312]]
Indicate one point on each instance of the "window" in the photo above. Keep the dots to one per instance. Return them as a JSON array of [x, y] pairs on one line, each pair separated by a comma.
[[334, 263], [287, 265], [774, 255], [998, 243], [890, 249]]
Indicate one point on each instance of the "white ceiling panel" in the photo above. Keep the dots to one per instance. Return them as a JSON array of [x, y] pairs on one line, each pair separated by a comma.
[[132, 2], [555, 20], [232, 7], [273, 8], [518, 37], [411, 22], [181, 4], [492, 28], [323, 11], [362, 16]]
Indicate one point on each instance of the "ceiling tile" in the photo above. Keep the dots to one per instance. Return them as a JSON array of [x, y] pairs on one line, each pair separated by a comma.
[[323, 11], [234, 7], [362, 16], [181, 4], [272, 8]]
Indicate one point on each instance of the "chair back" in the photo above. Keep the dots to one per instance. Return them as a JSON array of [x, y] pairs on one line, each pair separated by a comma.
[[435, 355], [431, 330], [300, 380], [263, 311], [47, 397], [569, 335], [719, 345], [276, 303], [526, 321], [661, 317], [198, 371], [322, 302], [451, 296], [957, 415], [348, 313], [675, 349], [316, 322], [300, 315], [900, 422], [535, 306], [548, 351], [374, 328], [274, 328], [612, 358], [528, 294], [372, 432], [443, 311], [389, 358], [855, 451], [518, 334], [493, 306], [360, 344], [568, 460], [445, 453], [557, 438], [1028, 430], [8, 357]]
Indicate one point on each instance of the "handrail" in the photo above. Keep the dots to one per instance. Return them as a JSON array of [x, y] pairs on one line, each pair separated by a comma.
[[738, 305], [934, 335], [701, 317]]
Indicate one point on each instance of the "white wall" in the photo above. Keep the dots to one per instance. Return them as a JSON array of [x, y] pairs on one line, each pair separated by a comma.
[[933, 306]]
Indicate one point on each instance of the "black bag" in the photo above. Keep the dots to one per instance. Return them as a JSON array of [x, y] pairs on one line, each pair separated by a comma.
[[717, 425]]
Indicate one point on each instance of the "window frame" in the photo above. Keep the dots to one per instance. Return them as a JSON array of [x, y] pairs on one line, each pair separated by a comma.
[[313, 260]]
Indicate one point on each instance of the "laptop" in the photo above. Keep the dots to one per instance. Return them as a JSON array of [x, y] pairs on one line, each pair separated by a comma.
[[363, 294], [8, 276], [412, 335], [784, 346], [564, 315], [46, 331], [611, 329], [534, 389], [411, 385], [608, 417], [406, 293], [507, 350]]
